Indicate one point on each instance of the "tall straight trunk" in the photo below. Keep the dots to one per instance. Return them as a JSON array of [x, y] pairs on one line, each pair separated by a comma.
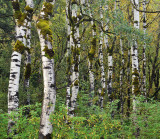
[[75, 46], [156, 80], [68, 91], [100, 57], [110, 60], [19, 47], [135, 70], [106, 42], [28, 11], [47, 53], [117, 5], [129, 81], [121, 77], [91, 55], [134, 53], [144, 55]]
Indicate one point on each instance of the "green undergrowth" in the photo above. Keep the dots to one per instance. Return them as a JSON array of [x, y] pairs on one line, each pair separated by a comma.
[[89, 122]]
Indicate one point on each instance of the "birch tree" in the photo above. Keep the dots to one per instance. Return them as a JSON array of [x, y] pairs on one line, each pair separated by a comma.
[[134, 53], [47, 53], [28, 10], [110, 58], [18, 49], [68, 56], [144, 49], [91, 54], [100, 57], [75, 47]]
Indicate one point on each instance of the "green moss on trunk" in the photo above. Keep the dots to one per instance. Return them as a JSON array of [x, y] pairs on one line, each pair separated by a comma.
[[49, 53], [27, 72], [28, 9], [19, 47]]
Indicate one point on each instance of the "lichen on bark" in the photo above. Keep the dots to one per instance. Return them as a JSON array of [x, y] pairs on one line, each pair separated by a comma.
[[49, 53], [27, 72]]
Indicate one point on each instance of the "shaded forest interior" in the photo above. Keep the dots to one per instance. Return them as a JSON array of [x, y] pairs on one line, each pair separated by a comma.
[[79, 69]]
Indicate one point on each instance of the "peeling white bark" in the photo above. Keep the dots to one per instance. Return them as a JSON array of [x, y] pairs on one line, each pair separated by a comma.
[[106, 42], [75, 73], [144, 49], [100, 57], [49, 89], [68, 91], [90, 63], [49, 98], [135, 70], [13, 88], [28, 55], [110, 72], [121, 76]]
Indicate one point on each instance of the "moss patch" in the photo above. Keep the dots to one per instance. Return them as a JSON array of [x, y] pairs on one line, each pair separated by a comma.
[[48, 8], [28, 9], [74, 2], [135, 72], [45, 29], [92, 51], [27, 72], [76, 83], [49, 53], [20, 20], [19, 47], [15, 5], [94, 27], [103, 92]]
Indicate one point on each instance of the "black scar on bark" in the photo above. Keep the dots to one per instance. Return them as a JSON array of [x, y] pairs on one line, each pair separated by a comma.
[[52, 85], [14, 55], [15, 60], [17, 65], [17, 94], [41, 136], [13, 76], [47, 67]]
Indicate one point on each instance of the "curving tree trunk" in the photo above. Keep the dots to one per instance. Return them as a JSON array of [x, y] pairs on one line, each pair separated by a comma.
[[75, 47], [19, 48], [47, 53], [100, 57]]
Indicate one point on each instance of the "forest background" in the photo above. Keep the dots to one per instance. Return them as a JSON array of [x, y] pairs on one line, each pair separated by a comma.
[[91, 120]]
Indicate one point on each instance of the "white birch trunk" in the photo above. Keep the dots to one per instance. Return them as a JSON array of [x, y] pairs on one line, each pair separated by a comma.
[[48, 79], [110, 60], [117, 4], [129, 82], [144, 55], [68, 91], [13, 88], [75, 44], [90, 62], [110, 72], [121, 77], [100, 57], [134, 53], [30, 4], [135, 70], [106, 42]]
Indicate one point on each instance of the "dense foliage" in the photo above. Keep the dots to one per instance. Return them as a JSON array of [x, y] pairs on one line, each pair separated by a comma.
[[90, 121]]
